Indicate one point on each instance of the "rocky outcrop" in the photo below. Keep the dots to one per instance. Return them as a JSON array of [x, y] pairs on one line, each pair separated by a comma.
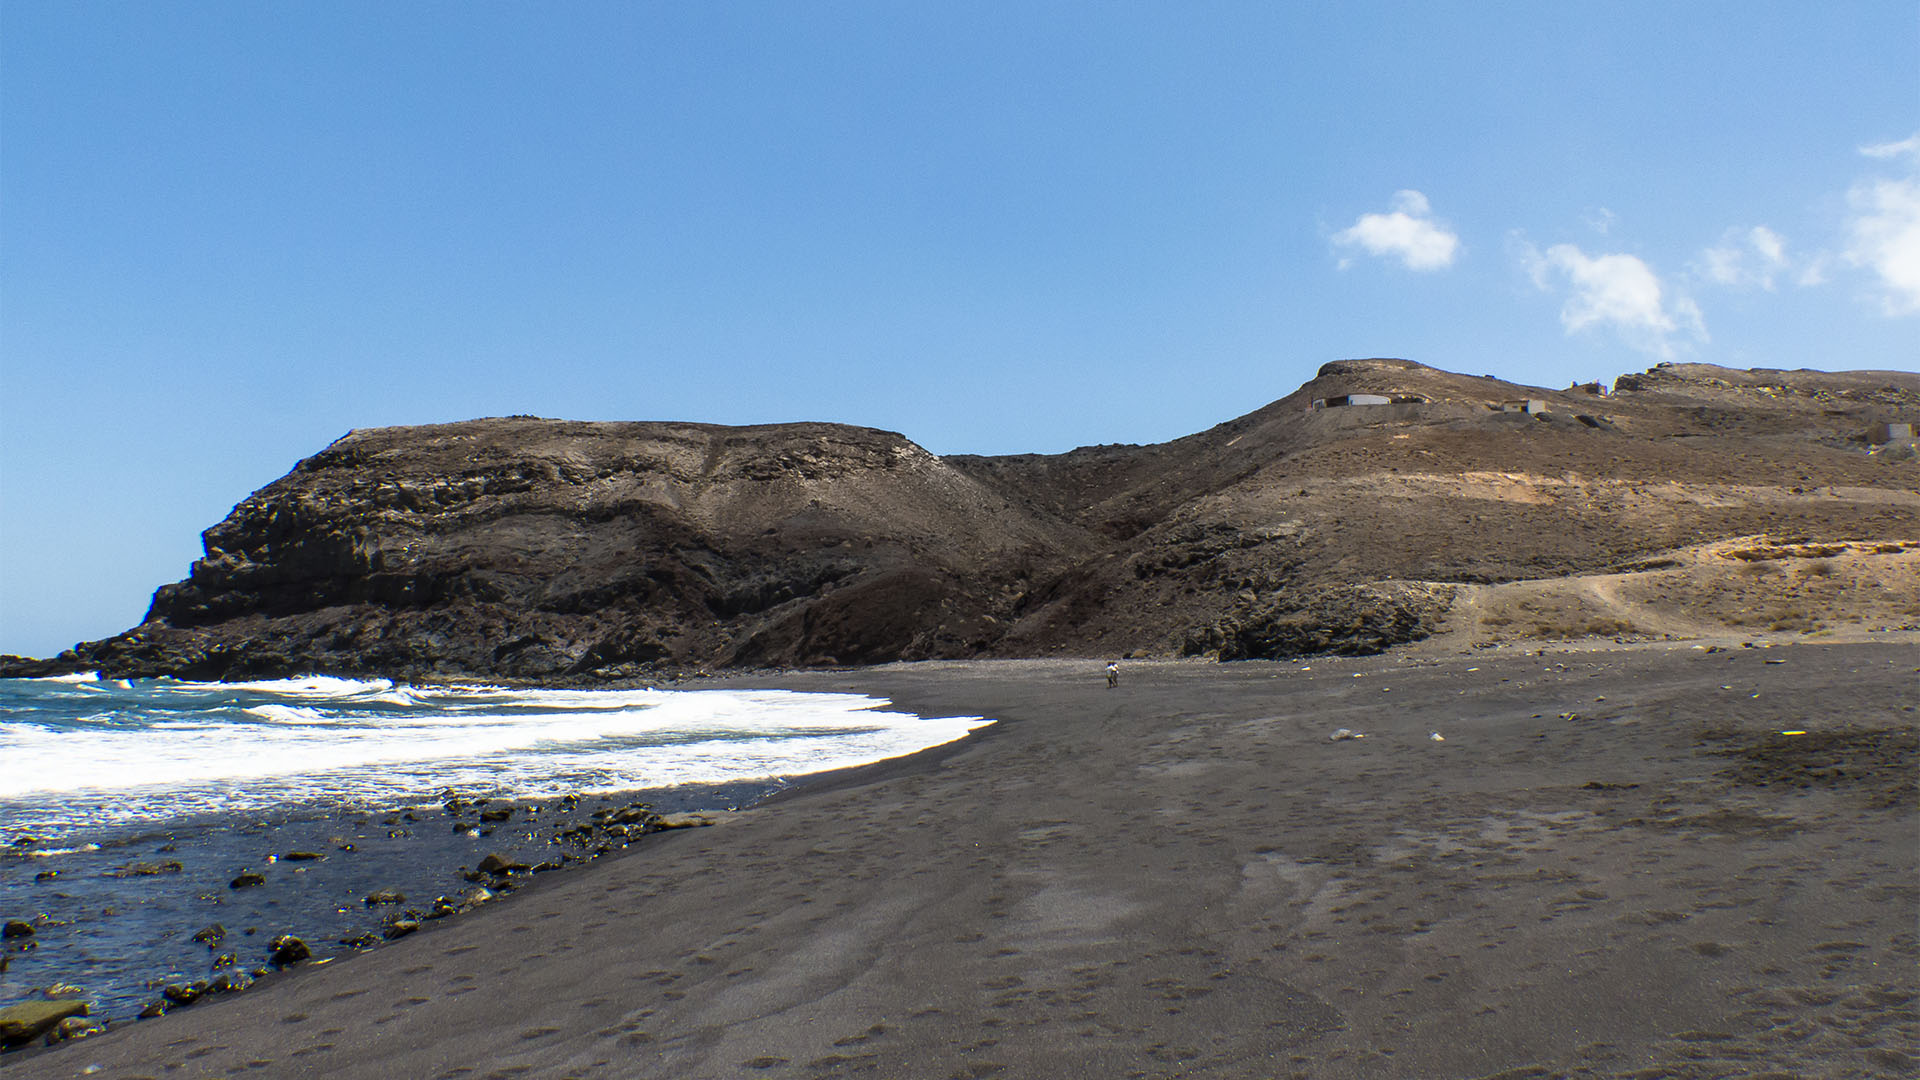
[[1360, 621], [577, 552]]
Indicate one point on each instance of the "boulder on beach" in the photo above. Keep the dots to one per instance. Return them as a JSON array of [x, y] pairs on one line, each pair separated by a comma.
[[386, 896], [185, 993], [287, 949], [72, 1028], [499, 864], [15, 928], [247, 880], [29, 1019]]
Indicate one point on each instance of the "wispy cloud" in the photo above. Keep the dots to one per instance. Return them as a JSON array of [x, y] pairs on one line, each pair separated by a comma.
[[1408, 232], [1745, 259], [1883, 232], [1616, 292], [1907, 147]]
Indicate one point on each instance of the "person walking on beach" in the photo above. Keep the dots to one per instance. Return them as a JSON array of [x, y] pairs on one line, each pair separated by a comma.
[[1113, 674]]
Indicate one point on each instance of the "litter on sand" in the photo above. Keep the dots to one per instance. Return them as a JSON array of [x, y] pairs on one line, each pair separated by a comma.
[[1437, 737], [1340, 734]]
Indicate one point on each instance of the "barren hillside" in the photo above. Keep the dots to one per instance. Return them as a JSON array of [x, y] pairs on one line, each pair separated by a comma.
[[555, 550]]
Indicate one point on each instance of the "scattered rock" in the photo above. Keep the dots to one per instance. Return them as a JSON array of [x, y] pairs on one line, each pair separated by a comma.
[[229, 982], [502, 814], [287, 949], [154, 1009], [210, 936], [636, 814], [400, 928], [1343, 734], [63, 992], [246, 880], [302, 856], [16, 929], [46, 875], [682, 821]]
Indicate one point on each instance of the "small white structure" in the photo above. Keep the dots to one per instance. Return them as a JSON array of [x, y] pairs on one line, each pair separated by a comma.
[[1529, 405], [1889, 431], [1340, 400]]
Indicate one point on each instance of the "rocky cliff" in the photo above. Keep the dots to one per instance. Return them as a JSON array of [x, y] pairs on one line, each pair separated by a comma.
[[562, 551]]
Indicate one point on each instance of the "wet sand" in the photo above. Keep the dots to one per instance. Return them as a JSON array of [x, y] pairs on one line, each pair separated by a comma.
[[1612, 864]]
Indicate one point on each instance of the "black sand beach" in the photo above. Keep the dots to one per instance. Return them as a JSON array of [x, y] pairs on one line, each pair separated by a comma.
[[1608, 864]]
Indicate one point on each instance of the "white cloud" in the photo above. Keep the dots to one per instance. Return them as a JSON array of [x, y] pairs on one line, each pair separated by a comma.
[[1883, 235], [1408, 233], [1907, 147], [1745, 258], [1617, 292]]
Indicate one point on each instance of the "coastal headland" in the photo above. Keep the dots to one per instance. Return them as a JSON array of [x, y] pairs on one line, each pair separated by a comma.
[[1572, 734], [1381, 503], [1604, 863]]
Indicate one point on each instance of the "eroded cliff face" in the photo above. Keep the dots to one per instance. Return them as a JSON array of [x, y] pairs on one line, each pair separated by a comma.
[[561, 551], [546, 549]]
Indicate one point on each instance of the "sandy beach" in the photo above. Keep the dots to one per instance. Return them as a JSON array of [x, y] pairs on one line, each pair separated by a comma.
[[1603, 863]]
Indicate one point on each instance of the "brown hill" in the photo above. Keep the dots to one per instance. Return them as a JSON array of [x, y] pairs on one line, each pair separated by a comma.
[[555, 550]]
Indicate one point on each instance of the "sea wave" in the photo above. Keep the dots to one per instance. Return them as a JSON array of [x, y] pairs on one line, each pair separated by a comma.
[[161, 748]]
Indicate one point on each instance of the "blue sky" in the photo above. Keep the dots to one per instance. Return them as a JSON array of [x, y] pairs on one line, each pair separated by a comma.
[[231, 232]]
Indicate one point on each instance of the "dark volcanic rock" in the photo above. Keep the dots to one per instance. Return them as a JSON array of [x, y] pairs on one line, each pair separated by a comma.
[[553, 550], [570, 552], [287, 949]]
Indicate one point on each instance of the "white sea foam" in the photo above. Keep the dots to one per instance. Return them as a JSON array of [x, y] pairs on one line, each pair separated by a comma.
[[164, 748]]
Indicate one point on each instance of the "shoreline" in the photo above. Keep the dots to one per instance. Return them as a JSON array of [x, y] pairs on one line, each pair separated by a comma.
[[1054, 885], [148, 903], [124, 913]]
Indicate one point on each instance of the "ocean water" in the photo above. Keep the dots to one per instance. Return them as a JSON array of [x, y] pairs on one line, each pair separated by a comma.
[[79, 754], [128, 809]]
